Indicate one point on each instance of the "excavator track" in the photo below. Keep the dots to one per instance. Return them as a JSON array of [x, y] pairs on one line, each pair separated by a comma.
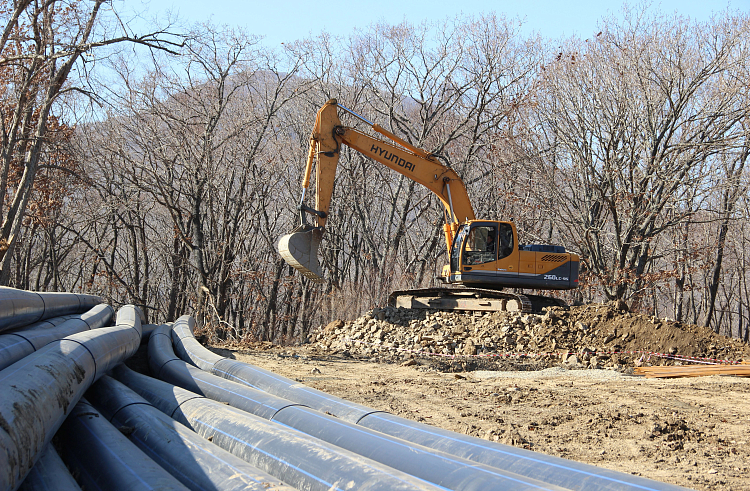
[[470, 299]]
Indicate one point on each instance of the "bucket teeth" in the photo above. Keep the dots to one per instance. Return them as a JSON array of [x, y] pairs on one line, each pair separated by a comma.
[[300, 250]]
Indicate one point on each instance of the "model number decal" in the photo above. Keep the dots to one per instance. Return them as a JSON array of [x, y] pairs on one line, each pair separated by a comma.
[[555, 277]]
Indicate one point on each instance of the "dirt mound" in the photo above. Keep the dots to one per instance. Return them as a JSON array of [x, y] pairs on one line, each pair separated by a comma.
[[590, 336]]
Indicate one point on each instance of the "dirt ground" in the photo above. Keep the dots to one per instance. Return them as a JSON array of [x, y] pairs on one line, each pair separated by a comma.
[[692, 432]]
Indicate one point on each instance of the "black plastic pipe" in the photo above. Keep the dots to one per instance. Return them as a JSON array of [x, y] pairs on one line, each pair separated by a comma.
[[13, 348], [104, 459], [446, 471], [49, 474], [555, 471], [17, 344], [165, 365], [189, 349], [45, 324], [293, 457], [21, 308], [194, 461], [41, 389]]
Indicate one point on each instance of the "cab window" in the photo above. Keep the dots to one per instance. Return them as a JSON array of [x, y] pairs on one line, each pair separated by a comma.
[[505, 240], [457, 245], [480, 245]]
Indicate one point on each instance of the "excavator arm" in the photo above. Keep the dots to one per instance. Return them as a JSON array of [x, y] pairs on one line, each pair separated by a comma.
[[300, 248], [441, 180]]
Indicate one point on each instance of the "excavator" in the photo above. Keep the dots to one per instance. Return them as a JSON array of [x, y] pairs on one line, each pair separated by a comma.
[[485, 256]]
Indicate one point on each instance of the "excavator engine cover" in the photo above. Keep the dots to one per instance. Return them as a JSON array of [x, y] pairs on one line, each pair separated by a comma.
[[300, 250]]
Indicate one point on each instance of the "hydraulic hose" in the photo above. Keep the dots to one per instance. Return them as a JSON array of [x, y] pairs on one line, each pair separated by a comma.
[[104, 459], [194, 461], [49, 473], [21, 308], [441, 469], [293, 457], [555, 471], [42, 388], [17, 344]]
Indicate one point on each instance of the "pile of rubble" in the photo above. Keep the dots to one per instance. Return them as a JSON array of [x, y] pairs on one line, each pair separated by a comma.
[[591, 336]]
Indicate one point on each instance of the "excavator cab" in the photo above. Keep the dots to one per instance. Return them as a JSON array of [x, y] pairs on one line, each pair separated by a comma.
[[486, 254], [481, 251]]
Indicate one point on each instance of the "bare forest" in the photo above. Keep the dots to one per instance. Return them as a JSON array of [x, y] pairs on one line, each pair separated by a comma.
[[160, 169]]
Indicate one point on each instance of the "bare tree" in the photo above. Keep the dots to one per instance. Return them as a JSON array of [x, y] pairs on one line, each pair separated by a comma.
[[629, 148], [192, 135], [41, 44], [629, 124]]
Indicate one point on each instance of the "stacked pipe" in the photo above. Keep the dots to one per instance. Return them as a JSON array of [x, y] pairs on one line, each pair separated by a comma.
[[194, 461], [20, 343], [291, 456], [97, 451], [49, 473], [103, 458], [224, 425], [21, 307], [440, 469], [41, 389]]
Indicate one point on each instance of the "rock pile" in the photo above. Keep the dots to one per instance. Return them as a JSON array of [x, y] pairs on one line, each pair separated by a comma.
[[591, 336]]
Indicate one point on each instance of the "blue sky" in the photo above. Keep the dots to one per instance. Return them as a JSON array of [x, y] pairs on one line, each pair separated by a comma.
[[284, 21]]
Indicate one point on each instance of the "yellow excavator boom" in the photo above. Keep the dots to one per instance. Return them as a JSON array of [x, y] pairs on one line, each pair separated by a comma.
[[300, 248]]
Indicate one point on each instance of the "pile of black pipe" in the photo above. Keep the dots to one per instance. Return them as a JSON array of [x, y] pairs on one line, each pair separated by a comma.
[[211, 423], [41, 389], [103, 458], [49, 473], [285, 453], [194, 461], [443, 470], [21, 342]]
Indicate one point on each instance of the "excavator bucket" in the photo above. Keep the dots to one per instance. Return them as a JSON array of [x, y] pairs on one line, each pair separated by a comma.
[[300, 250]]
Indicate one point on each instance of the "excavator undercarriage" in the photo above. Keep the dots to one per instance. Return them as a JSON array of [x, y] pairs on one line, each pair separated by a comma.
[[471, 299]]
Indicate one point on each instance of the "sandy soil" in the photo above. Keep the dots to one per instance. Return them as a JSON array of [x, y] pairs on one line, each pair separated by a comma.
[[691, 432]]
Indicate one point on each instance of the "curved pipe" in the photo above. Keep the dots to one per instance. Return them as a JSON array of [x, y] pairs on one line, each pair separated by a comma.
[[103, 458], [429, 465], [295, 458], [189, 349], [21, 307], [168, 367], [193, 460], [555, 471], [41, 389], [48, 473], [15, 345]]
